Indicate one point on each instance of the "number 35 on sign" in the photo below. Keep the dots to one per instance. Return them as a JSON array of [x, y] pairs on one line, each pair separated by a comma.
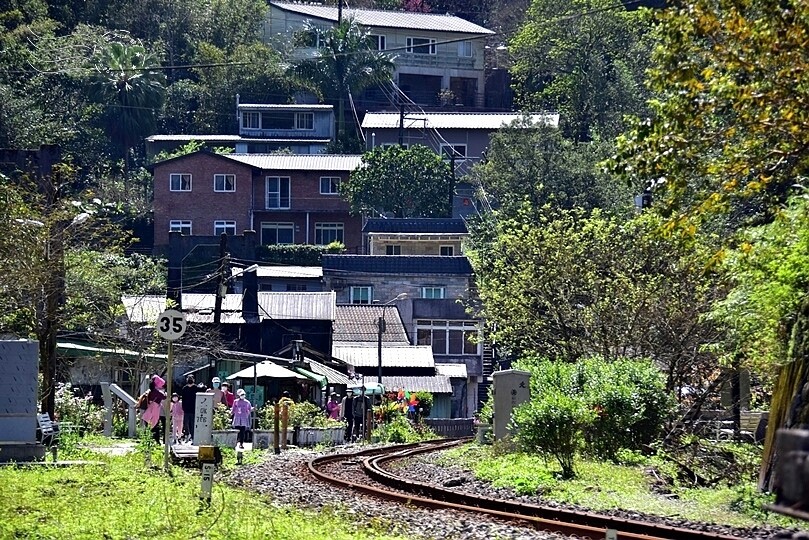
[[171, 324]]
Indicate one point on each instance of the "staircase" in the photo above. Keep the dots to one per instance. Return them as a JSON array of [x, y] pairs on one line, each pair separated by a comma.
[[488, 369]]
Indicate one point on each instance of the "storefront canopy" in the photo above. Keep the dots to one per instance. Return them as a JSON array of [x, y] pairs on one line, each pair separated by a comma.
[[266, 369]]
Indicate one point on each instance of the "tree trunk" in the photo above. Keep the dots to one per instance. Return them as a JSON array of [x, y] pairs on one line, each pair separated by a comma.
[[790, 401]]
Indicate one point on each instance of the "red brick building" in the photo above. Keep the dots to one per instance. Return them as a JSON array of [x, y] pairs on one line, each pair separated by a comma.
[[286, 199]]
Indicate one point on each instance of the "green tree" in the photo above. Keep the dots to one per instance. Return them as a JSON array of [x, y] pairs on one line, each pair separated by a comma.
[[128, 80], [585, 59], [343, 65], [409, 182], [535, 163]]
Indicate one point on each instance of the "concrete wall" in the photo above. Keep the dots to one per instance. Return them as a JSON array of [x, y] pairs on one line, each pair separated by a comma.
[[19, 365]]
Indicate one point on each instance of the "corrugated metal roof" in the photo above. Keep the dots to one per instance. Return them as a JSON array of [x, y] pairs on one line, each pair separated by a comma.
[[388, 19], [192, 302], [233, 138], [437, 384], [299, 162], [355, 324], [490, 121], [155, 138], [337, 265], [455, 371], [318, 306], [392, 356], [284, 272], [413, 225], [332, 375], [143, 309], [284, 107], [98, 351]]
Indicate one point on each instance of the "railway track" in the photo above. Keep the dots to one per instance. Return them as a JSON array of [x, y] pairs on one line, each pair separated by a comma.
[[364, 471]]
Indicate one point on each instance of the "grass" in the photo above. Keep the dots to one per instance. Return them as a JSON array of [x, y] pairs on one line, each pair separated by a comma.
[[604, 486], [124, 499]]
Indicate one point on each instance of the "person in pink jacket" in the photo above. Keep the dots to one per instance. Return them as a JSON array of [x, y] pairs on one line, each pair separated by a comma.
[[241, 415], [177, 417]]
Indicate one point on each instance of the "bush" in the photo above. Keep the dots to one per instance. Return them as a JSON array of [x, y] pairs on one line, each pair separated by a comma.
[[552, 424], [73, 408], [221, 418], [296, 254], [425, 400], [402, 430]]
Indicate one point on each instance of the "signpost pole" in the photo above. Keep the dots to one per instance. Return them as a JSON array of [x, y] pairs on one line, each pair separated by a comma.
[[168, 431], [171, 325]]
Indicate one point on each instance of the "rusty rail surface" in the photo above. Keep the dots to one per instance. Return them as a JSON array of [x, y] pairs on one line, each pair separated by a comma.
[[559, 520]]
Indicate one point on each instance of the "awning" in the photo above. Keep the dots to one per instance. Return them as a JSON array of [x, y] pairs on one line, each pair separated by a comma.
[[332, 375], [320, 379], [266, 369]]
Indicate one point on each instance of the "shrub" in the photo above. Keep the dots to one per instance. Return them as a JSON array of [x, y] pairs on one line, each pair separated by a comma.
[[73, 408], [402, 430], [296, 254], [221, 417], [309, 415], [553, 424]]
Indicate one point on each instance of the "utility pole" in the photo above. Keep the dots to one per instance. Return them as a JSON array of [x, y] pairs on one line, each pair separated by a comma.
[[401, 121], [451, 181], [380, 325], [339, 12], [221, 288]]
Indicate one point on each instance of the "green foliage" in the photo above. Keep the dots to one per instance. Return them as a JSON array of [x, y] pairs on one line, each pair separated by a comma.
[[387, 411], [221, 417], [309, 415], [425, 399], [589, 68], [409, 182], [402, 430], [77, 409], [296, 254]]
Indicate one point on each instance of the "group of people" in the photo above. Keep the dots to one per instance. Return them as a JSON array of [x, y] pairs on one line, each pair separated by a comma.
[[183, 406]]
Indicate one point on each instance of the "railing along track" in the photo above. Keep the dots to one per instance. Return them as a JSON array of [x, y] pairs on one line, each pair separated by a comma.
[[559, 520]]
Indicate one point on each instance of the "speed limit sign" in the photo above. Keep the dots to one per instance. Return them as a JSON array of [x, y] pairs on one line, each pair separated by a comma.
[[171, 324]]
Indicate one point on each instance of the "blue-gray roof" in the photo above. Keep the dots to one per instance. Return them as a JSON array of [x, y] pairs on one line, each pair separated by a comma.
[[396, 264], [415, 225]]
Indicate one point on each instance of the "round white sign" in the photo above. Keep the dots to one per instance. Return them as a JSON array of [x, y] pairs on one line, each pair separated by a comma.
[[171, 324]]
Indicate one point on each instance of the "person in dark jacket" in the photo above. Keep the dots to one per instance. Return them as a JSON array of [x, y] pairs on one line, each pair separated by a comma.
[[188, 395], [348, 414]]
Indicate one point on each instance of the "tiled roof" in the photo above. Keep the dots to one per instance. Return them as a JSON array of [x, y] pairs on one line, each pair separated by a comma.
[[356, 324], [299, 162], [335, 265], [456, 371], [419, 356], [490, 121], [412, 225], [388, 19], [437, 384], [311, 272], [143, 309]]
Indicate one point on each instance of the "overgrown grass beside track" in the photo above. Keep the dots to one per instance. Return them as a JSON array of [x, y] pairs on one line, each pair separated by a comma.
[[604, 485], [123, 498]]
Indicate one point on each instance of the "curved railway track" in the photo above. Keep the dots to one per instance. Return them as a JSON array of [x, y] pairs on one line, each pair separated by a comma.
[[342, 470]]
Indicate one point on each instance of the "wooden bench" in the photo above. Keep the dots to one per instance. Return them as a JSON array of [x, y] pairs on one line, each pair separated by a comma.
[[48, 429]]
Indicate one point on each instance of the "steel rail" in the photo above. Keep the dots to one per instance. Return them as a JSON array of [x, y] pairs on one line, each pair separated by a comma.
[[581, 524]]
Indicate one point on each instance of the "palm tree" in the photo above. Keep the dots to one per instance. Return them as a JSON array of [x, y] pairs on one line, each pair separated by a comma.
[[343, 64], [127, 78]]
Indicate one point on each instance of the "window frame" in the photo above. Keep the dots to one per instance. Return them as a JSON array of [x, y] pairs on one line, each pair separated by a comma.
[[279, 192], [463, 48], [441, 250], [277, 226], [335, 187], [393, 249], [310, 116], [411, 47], [180, 177], [224, 177], [359, 288], [442, 290], [180, 225], [444, 334], [379, 42], [252, 115], [321, 227], [226, 224], [454, 146]]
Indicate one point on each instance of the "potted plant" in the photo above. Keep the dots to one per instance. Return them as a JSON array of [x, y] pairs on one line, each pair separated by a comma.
[[425, 405], [222, 431], [264, 435], [313, 426]]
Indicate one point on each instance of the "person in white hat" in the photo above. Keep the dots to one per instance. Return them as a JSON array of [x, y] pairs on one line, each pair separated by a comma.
[[242, 410], [218, 394]]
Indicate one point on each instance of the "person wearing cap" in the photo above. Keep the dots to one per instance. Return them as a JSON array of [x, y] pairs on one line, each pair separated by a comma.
[[218, 395], [154, 415], [241, 411]]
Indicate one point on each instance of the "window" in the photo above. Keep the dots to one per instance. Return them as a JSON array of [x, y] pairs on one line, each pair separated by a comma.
[[304, 120], [465, 49], [224, 226], [393, 250], [180, 182], [376, 43], [277, 233], [446, 251], [362, 295], [326, 233], [296, 287], [224, 182], [250, 120], [457, 150], [181, 225], [420, 45], [448, 337], [433, 292], [329, 185], [277, 192]]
